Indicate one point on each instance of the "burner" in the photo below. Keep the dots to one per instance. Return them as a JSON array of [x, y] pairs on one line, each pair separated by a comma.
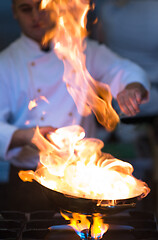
[[48, 225]]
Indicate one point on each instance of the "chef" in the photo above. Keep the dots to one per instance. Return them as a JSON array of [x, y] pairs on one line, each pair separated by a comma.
[[28, 71]]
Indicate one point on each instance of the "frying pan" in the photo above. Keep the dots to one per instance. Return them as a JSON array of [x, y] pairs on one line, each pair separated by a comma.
[[88, 206]]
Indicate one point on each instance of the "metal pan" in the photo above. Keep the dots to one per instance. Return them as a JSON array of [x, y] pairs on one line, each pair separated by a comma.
[[87, 206]]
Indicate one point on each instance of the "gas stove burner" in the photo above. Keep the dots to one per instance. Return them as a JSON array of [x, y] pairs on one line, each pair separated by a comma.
[[48, 225]]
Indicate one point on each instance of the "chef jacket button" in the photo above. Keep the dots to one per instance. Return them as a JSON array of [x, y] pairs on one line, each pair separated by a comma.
[[38, 90], [70, 114], [33, 64], [42, 118]]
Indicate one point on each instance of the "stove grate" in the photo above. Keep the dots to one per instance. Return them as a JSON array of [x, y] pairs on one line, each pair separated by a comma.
[[48, 225]]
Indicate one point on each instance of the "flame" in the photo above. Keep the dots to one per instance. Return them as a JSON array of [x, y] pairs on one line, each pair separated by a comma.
[[94, 227], [75, 166], [98, 227], [68, 34], [78, 221], [45, 3], [32, 104], [70, 164], [44, 99]]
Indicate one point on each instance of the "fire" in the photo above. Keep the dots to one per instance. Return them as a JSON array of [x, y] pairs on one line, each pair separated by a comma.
[[74, 165], [83, 226], [44, 99], [78, 222], [98, 227], [45, 3], [69, 163], [68, 31], [32, 104]]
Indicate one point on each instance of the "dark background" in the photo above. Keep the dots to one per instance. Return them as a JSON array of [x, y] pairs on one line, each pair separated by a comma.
[[9, 29]]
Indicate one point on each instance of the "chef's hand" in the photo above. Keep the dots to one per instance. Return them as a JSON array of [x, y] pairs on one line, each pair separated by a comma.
[[22, 137], [131, 97]]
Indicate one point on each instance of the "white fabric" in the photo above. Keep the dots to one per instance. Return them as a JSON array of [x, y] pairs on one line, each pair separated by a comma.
[[26, 73]]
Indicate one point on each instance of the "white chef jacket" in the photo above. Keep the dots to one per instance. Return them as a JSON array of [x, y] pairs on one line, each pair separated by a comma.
[[26, 73]]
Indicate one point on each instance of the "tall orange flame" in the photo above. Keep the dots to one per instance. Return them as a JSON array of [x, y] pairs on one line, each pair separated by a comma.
[[68, 35]]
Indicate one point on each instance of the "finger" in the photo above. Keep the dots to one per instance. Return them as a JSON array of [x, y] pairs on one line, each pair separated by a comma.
[[128, 103], [133, 101], [138, 97], [131, 110], [123, 104]]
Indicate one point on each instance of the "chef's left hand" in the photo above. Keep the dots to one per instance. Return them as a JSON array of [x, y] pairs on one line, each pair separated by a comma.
[[131, 97]]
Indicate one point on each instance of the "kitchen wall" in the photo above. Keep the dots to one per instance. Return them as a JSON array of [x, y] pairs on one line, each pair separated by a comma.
[[9, 29]]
